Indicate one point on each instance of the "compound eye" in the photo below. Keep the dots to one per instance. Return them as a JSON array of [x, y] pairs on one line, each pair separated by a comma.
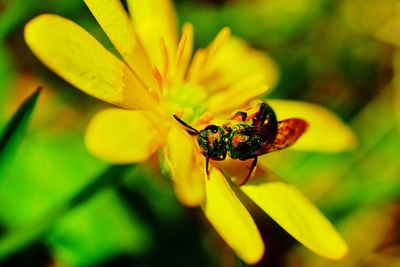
[[212, 128]]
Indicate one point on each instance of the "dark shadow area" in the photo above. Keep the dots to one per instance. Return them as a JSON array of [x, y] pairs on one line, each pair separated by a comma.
[[177, 243], [36, 255]]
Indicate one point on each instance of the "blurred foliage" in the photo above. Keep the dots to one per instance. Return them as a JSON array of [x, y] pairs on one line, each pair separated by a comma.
[[57, 209], [14, 131]]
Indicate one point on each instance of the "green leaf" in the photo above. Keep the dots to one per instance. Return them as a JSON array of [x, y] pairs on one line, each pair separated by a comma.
[[7, 76], [75, 238], [275, 21], [15, 130]]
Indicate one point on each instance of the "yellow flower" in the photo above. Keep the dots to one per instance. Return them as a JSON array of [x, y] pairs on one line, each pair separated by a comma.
[[157, 77]]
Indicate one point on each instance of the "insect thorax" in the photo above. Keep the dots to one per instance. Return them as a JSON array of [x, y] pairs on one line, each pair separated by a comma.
[[242, 143]]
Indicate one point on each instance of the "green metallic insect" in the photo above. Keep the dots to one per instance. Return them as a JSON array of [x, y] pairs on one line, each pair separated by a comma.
[[246, 137]]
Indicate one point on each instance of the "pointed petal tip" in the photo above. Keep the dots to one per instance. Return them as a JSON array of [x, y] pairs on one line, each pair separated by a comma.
[[226, 31], [187, 25]]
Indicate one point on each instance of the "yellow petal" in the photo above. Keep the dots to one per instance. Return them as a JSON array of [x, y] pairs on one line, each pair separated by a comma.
[[297, 215], [117, 25], [236, 61], [237, 96], [231, 219], [76, 56], [186, 165], [326, 132], [204, 58], [124, 136], [238, 169], [155, 20]]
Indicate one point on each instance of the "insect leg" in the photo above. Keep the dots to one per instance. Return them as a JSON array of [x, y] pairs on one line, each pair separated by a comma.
[[239, 116], [207, 170], [250, 174]]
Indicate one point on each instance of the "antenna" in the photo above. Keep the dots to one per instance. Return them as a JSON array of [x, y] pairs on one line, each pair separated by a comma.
[[190, 129]]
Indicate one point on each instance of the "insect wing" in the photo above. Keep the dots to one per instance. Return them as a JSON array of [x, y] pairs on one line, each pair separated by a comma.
[[245, 143], [267, 132], [289, 131]]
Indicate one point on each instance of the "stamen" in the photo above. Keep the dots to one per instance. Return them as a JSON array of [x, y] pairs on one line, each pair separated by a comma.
[[184, 53], [197, 65], [159, 78], [205, 118], [179, 112], [164, 53], [181, 48]]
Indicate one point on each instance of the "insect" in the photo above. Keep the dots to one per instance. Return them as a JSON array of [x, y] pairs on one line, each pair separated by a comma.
[[246, 136]]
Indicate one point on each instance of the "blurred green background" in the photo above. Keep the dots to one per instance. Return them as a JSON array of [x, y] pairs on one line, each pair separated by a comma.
[[59, 206]]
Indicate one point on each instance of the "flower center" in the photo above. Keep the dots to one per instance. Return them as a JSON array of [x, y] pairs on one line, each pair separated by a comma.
[[186, 99]]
